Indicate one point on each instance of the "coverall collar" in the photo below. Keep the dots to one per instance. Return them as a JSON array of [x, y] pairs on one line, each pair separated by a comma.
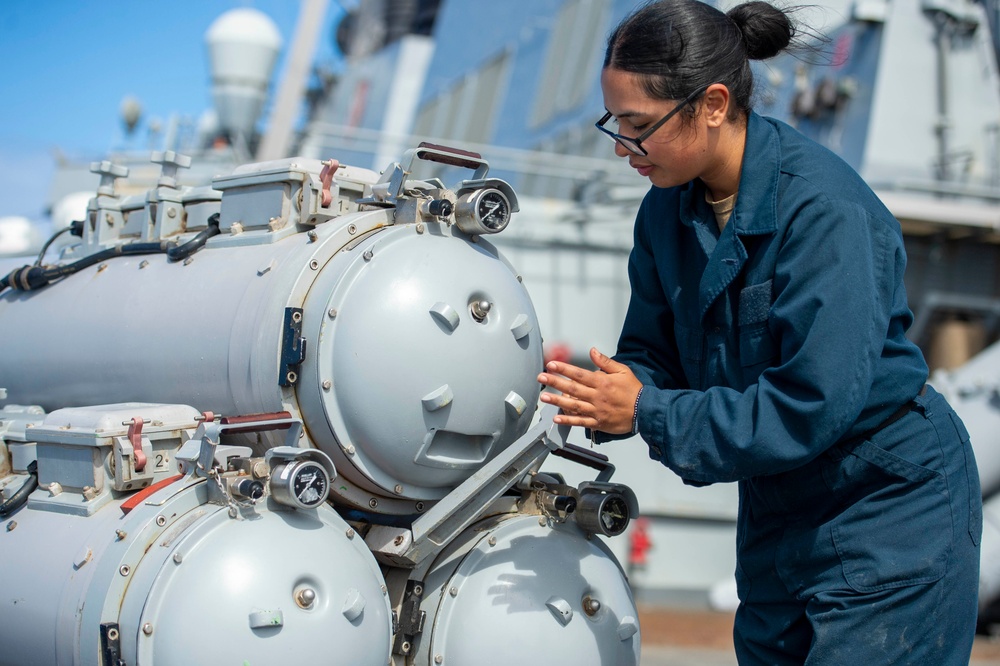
[[755, 213], [756, 209]]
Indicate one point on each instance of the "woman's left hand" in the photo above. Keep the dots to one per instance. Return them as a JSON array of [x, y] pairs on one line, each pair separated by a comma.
[[602, 400]]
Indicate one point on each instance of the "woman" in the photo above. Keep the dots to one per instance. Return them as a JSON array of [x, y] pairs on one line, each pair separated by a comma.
[[764, 343]]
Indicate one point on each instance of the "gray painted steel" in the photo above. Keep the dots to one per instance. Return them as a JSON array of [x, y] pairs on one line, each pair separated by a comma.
[[532, 580], [348, 333], [184, 577], [406, 406]]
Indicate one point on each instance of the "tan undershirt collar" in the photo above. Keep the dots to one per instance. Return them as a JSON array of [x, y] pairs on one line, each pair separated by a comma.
[[722, 209]]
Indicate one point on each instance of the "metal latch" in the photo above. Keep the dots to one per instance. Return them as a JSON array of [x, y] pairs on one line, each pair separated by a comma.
[[411, 618], [293, 347], [111, 651]]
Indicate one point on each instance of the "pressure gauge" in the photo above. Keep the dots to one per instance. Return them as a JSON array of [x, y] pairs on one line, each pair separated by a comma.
[[493, 209], [484, 211], [302, 484]]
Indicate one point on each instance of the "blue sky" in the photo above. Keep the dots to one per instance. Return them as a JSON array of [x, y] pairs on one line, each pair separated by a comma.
[[66, 65]]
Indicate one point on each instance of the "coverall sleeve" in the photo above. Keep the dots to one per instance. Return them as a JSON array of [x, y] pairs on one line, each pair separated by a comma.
[[836, 278], [647, 343]]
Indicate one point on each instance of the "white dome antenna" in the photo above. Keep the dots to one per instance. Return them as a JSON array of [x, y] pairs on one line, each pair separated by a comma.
[[243, 45]]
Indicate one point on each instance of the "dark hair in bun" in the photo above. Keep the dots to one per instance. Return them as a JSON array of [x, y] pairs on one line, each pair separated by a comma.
[[679, 46]]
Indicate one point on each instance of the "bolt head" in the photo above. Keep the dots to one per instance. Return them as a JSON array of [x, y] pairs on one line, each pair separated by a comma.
[[305, 598], [591, 606]]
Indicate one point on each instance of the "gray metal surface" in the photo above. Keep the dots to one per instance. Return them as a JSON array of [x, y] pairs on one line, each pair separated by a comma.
[[250, 580], [448, 387], [388, 338], [408, 407], [223, 571], [532, 577], [441, 524]]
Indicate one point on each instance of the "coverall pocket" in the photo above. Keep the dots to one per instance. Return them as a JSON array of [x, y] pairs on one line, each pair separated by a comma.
[[757, 350], [896, 528]]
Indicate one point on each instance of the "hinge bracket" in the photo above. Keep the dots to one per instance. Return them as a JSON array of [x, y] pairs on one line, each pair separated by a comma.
[[293, 347]]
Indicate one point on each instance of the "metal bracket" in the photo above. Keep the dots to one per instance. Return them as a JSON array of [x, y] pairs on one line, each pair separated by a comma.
[[293, 347], [111, 649], [462, 506], [389, 189], [411, 619], [200, 454]]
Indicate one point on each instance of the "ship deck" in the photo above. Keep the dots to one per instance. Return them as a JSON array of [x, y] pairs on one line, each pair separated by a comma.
[[686, 637]]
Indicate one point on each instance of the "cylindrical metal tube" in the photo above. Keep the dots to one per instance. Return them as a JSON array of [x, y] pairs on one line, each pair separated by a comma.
[[406, 386]]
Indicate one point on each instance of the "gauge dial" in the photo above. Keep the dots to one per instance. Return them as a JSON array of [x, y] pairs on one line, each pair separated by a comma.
[[304, 484], [310, 484], [486, 210], [493, 209]]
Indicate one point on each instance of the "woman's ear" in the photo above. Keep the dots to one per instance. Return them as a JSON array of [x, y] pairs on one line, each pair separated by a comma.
[[716, 104]]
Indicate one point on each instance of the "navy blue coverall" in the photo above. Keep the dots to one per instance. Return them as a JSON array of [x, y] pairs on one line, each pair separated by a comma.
[[770, 353]]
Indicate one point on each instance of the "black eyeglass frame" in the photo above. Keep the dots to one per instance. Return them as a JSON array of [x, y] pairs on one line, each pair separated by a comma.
[[634, 144]]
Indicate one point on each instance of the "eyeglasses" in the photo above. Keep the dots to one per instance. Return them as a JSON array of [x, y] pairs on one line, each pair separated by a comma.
[[634, 144]]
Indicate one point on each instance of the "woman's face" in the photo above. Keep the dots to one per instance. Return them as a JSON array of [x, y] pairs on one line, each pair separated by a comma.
[[678, 151]]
